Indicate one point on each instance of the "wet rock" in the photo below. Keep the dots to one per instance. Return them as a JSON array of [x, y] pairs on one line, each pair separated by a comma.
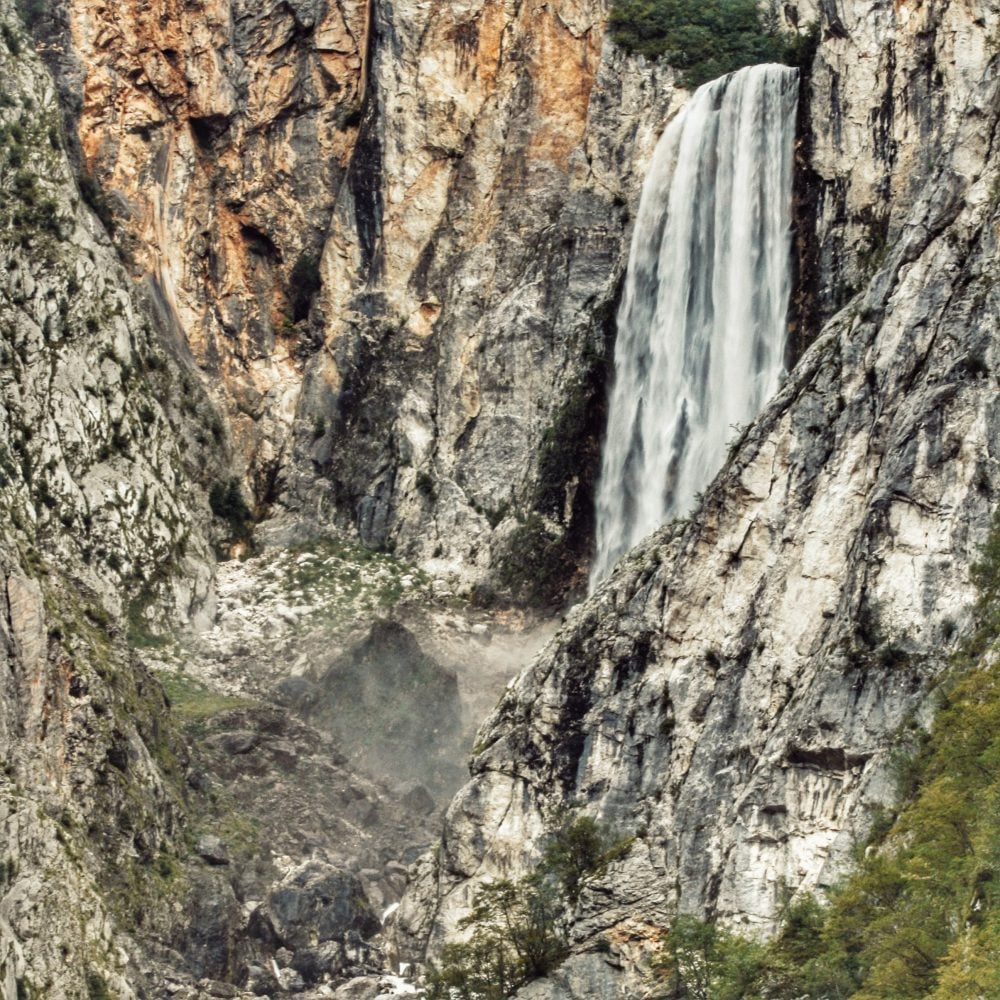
[[362, 988], [297, 693], [215, 988], [259, 981], [291, 981], [587, 975], [315, 964], [732, 689]]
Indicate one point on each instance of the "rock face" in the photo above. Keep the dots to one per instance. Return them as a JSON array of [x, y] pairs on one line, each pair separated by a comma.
[[99, 507], [222, 133], [92, 409], [732, 693], [448, 185], [388, 238]]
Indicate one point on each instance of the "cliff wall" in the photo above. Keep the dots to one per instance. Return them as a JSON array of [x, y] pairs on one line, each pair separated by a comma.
[[732, 694], [102, 512], [392, 237]]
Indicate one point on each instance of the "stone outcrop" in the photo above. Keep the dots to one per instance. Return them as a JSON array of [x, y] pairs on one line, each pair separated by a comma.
[[732, 694]]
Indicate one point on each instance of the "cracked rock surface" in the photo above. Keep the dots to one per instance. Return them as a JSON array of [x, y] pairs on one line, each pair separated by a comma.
[[731, 694]]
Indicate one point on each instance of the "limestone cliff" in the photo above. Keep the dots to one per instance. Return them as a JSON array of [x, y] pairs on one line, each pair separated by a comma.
[[100, 508], [731, 694], [387, 239], [391, 236]]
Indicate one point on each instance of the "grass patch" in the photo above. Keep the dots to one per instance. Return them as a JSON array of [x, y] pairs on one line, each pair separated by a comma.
[[193, 701]]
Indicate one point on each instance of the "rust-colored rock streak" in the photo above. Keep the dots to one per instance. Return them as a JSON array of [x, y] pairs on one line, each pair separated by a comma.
[[220, 132]]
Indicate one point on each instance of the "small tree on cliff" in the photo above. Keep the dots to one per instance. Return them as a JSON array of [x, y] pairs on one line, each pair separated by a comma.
[[518, 929]]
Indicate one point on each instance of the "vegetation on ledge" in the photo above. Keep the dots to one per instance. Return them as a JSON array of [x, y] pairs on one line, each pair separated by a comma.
[[517, 930], [706, 39]]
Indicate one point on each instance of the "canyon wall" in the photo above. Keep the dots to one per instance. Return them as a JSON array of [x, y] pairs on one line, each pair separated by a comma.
[[733, 693], [392, 237], [365, 262], [103, 519]]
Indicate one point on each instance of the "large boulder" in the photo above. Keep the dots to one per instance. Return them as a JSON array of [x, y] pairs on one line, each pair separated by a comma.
[[316, 905]]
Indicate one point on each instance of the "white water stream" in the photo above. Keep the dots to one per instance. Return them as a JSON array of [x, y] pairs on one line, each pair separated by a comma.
[[701, 326]]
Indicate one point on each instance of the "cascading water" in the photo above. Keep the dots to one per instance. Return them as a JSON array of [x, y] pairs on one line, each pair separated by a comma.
[[701, 326]]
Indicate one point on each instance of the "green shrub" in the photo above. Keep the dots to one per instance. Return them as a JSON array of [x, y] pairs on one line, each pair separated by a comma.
[[10, 39], [705, 39], [226, 501], [31, 11], [97, 987], [518, 929], [579, 850], [703, 962], [517, 934], [535, 564], [93, 195]]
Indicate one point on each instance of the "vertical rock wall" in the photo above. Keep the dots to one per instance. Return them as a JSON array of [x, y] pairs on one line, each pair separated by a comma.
[[458, 177], [100, 505], [733, 693]]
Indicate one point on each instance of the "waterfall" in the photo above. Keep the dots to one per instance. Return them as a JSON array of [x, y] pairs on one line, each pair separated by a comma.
[[701, 326]]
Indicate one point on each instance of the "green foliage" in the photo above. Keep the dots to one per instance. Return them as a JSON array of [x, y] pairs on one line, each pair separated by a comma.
[[920, 917], [579, 850], [705, 39], [31, 11], [97, 987], [517, 935], [702, 962], [518, 929], [10, 39], [535, 564], [192, 702], [26, 207], [93, 195]]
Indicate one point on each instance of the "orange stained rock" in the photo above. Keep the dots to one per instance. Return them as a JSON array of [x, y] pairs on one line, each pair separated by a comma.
[[493, 21], [564, 69]]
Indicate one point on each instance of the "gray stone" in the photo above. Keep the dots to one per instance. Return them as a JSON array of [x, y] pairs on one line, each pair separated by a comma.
[[212, 850], [319, 903], [419, 800], [362, 988]]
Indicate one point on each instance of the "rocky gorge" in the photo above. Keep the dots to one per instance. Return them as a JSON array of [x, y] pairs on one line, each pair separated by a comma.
[[307, 316]]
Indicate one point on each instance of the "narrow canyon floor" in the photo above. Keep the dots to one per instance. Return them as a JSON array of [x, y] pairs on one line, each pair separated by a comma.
[[330, 698]]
